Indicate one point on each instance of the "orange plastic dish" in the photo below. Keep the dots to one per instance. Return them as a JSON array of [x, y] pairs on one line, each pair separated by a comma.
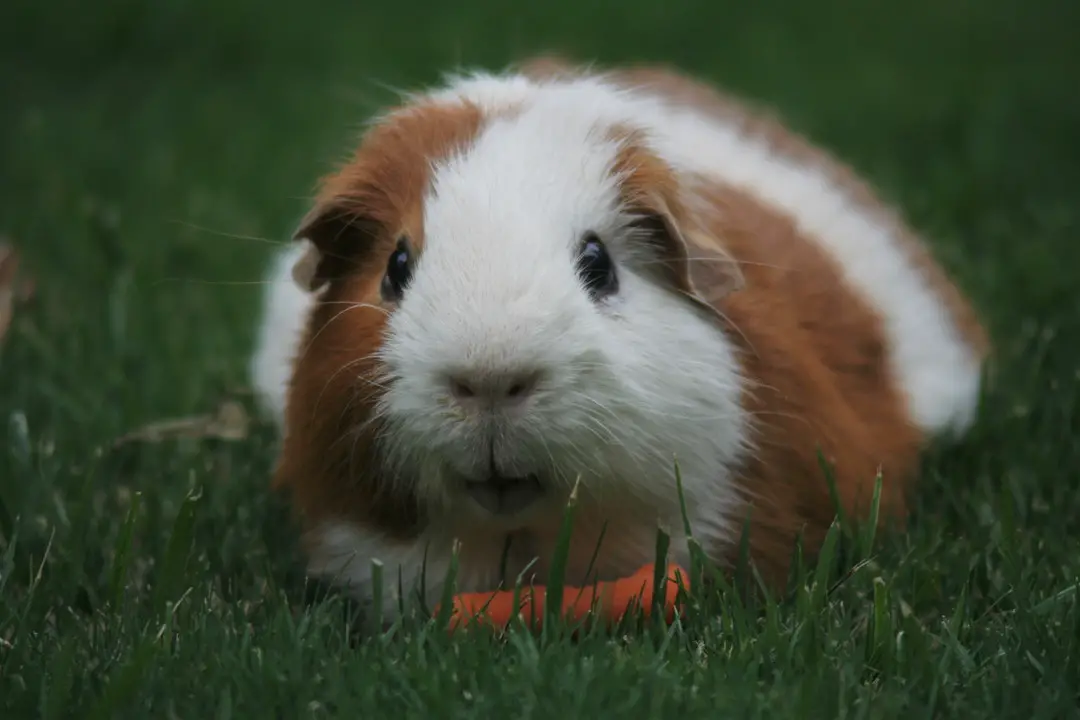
[[607, 601]]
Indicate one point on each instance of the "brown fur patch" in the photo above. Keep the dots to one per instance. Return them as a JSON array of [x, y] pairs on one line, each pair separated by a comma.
[[329, 460], [814, 353]]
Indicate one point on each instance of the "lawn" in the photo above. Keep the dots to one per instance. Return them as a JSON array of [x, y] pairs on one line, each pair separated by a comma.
[[152, 154]]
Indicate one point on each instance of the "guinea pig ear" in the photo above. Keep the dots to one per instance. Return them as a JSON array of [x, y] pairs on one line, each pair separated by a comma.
[[335, 240], [693, 261], [306, 268]]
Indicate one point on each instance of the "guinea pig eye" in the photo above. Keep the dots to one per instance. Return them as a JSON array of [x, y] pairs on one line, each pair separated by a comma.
[[595, 268], [398, 272]]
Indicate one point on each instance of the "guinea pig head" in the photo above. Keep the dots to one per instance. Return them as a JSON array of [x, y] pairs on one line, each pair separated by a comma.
[[508, 304]]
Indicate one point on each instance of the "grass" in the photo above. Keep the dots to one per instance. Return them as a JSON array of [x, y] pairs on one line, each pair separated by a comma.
[[141, 144]]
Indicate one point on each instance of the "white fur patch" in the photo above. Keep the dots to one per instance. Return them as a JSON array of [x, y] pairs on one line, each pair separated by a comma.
[[285, 310]]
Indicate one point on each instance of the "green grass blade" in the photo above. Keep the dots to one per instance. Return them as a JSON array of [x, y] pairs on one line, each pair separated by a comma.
[[122, 556], [834, 493], [375, 622], [659, 593], [173, 573], [826, 563], [449, 588], [553, 599], [869, 531]]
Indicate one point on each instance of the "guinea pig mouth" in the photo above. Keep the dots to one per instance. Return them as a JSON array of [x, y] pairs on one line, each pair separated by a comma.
[[505, 495]]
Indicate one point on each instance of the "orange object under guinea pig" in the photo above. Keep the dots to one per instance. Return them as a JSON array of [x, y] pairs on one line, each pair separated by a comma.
[[608, 602]]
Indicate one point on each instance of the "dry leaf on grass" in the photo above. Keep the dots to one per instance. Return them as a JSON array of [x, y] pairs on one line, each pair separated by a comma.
[[13, 290], [24, 292], [230, 422], [9, 270]]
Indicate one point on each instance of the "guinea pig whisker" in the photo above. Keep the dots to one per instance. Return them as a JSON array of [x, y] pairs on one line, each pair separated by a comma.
[[351, 404], [198, 281], [356, 305], [251, 238], [598, 429], [360, 428], [642, 448], [578, 457], [343, 368], [547, 448], [730, 322], [595, 426], [349, 306], [702, 416], [596, 403], [729, 261], [231, 235], [779, 414]]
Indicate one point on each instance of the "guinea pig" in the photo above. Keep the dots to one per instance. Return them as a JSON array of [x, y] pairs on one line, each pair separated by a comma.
[[560, 276]]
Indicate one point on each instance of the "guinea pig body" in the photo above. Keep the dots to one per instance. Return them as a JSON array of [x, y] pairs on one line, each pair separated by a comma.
[[555, 276]]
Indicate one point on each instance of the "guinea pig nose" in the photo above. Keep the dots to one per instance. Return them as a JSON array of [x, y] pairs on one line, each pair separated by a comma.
[[495, 387]]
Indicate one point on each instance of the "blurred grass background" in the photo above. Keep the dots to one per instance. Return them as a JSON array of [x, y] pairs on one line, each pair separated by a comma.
[[142, 142]]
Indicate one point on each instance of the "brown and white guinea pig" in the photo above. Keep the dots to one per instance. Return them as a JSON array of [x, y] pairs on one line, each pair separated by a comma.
[[553, 273]]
